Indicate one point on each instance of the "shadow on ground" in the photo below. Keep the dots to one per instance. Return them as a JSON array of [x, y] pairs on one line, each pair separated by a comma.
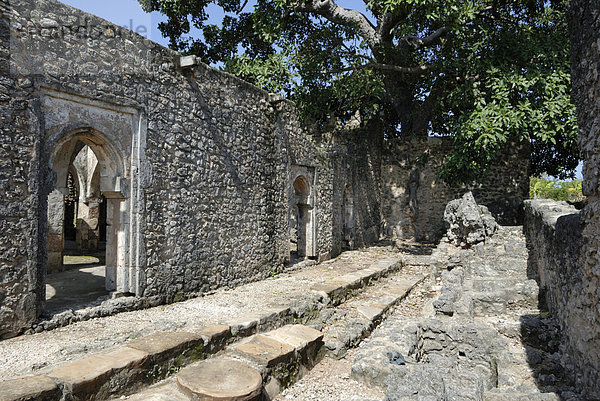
[[83, 282]]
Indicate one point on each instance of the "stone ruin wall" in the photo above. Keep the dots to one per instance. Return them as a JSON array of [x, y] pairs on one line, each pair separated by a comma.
[[584, 24], [415, 164], [206, 164], [556, 257], [20, 250], [201, 185], [563, 242]]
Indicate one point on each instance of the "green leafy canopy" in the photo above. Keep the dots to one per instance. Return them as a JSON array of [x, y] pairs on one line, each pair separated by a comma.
[[488, 73]]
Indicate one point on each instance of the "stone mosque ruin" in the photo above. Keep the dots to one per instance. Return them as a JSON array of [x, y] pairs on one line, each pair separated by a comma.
[[178, 180]]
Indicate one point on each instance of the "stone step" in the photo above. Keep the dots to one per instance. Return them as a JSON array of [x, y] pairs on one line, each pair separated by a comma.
[[253, 369], [126, 368], [363, 315], [348, 285], [489, 284], [492, 300], [499, 267], [30, 388], [517, 396]]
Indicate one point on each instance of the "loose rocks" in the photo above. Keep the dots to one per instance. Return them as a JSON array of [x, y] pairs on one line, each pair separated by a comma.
[[468, 223]]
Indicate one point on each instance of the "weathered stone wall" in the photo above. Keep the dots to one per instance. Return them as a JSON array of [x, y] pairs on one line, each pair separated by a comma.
[[351, 157], [412, 168], [21, 253], [584, 24], [556, 257], [196, 164], [197, 167]]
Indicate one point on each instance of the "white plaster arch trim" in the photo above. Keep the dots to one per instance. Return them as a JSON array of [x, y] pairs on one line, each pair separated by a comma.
[[303, 190], [110, 158]]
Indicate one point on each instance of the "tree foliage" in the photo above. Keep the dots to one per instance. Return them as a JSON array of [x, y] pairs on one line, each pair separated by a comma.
[[489, 73]]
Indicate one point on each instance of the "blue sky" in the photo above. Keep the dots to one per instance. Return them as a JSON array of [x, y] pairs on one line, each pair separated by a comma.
[[129, 14]]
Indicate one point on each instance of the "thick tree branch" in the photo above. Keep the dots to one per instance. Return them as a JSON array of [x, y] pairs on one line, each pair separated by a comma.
[[340, 15], [385, 24], [242, 6], [382, 67], [416, 43], [406, 70]]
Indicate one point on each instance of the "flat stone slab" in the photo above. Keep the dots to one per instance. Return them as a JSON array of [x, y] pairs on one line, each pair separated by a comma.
[[39, 388], [400, 287], [264, 350], [296, 335], [161, 344], [384, 264], [372, 311], [220, 380], [417, 260], [88, 375], [215, 330], [329, 286]]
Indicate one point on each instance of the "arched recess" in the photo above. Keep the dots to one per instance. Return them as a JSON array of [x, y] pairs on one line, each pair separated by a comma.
[[112, 179], [305, 217], [348, 217], [88, 168]]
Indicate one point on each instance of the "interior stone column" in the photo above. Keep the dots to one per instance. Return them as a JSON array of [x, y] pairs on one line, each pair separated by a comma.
[[88, 228], [56, 241]]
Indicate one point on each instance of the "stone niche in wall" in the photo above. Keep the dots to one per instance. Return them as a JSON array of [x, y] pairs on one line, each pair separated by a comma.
[[302, 212]]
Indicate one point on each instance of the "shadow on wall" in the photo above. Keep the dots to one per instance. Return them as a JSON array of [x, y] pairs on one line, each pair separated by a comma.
[[541, 337], [414, 198]]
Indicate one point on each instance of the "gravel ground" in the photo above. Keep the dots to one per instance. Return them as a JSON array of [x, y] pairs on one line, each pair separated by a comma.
[[29, 353], [330, 381]]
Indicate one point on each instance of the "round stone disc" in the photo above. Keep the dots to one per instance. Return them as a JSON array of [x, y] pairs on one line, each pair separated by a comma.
[[220, 380]]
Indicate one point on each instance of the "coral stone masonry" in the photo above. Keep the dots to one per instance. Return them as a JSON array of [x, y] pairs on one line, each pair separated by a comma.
[[182, 179]]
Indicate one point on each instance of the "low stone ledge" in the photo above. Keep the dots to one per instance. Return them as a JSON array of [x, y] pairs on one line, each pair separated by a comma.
[[245, 326], [215, 337], [417, 260], [164, 346], [102, 375], [296, 335], [264, 350], [343, 288], [372, 311], [39, 388]]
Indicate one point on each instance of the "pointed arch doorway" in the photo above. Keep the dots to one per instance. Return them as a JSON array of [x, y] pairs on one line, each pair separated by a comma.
[[85, 162]]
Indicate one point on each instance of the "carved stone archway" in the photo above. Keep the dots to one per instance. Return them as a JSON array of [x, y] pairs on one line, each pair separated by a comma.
[[112, 178]]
